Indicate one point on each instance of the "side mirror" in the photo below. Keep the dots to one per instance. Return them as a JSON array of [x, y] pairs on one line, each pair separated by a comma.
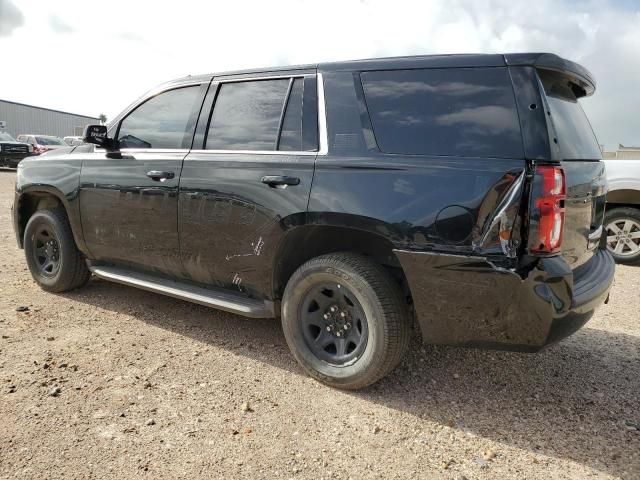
[[97, 135]]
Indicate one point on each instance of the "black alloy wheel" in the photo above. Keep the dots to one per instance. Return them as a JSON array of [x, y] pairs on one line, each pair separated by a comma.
[[46, 251], [334, 324]]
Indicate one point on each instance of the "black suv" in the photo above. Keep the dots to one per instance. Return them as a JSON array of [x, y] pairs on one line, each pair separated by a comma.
[[346, 199]]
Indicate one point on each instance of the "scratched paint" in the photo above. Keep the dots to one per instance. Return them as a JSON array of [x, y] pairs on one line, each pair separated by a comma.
[[256, 250]]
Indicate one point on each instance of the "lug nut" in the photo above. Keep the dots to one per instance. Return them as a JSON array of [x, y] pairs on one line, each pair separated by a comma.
[[347, 326], [333, 309], [339, 333], [342, 314], [326, 316], [328, 329]]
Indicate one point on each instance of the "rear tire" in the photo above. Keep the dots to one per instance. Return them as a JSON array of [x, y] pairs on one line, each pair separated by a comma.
[[345, 320], [622, 228], [53, 258]]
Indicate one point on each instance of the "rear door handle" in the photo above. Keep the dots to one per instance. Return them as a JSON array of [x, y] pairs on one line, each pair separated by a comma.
[[279, 181], [160, 176]]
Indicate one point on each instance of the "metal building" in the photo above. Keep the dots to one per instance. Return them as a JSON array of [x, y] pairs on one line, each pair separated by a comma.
[[623, 153], [18, 118]]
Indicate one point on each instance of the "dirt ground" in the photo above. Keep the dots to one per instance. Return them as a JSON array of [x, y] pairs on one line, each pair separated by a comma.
[[113, 382]]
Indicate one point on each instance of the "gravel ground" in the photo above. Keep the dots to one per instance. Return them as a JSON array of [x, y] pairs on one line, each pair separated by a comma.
[[113, 382]]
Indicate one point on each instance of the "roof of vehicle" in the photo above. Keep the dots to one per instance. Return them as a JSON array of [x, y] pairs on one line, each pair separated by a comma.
[[550, 61], [580, 75], [37, 135]]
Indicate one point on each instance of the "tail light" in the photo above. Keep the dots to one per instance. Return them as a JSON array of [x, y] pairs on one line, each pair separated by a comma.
[[549, 202]]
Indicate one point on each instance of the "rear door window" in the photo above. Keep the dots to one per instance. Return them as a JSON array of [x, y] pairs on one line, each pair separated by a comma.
[[259, 115], [573, 131], [161, 122], [454, 111]]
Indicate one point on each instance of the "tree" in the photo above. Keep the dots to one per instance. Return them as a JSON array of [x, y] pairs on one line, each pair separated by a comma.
[[103, 118]]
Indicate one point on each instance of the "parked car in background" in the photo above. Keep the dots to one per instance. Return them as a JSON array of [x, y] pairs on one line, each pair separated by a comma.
[[12, 151], [622, 220], [346, 199], [42, 143], [73, 140]]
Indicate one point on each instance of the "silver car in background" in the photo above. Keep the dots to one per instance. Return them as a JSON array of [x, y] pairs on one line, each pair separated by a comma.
[[622, 219]]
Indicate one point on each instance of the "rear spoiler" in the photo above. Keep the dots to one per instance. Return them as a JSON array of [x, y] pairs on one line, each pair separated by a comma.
[[577, 74]]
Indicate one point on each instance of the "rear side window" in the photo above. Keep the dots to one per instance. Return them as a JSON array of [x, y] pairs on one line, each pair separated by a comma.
[[574, 134], [455, 111], [257, 115], [160, 122]]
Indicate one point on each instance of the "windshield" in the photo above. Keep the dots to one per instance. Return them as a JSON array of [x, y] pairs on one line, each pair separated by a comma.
[[50, 141], [5, 137], [572, 128]]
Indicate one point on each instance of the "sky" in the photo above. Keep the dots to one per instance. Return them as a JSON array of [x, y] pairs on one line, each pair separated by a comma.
[[98, 57]]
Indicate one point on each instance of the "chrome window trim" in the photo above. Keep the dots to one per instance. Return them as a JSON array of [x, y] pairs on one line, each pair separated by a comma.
[[250, 78], [322, 118], [259, 152], [153, 150]]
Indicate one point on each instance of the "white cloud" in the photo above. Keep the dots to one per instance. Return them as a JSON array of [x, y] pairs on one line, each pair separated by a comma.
[[10, 17], [113, 51]]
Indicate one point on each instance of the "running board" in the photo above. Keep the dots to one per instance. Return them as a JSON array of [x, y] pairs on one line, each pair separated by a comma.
[[215, 298]]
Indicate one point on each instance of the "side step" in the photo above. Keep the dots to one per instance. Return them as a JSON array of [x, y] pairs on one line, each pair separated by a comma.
[[216, 298]]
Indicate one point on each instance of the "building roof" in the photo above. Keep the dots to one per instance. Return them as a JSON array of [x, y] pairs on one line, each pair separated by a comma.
[[47, 109]]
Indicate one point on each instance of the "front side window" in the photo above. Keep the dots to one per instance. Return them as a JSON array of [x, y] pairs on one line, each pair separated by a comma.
[[160, 122], [251, 115], [453, 111]]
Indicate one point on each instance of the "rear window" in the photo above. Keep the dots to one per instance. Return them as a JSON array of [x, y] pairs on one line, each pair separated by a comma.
[[50, 141], [456, 111], [573, 131]]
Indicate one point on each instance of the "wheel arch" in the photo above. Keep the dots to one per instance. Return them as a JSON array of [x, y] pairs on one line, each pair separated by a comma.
[[307, 241], [624, 197], [38, 197]]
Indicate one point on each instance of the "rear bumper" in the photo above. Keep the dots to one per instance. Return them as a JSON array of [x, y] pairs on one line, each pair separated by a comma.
[[591, 285], [462, 300]]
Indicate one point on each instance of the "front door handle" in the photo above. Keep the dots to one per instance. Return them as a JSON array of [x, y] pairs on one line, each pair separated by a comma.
[[160, 176], [279, 181]]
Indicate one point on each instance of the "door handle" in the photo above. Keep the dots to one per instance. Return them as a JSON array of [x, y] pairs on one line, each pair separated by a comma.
[[279, 181], [160, 176]]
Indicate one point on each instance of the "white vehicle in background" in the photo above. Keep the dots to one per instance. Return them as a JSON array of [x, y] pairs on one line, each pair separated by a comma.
[[72, 141], [622, 219]]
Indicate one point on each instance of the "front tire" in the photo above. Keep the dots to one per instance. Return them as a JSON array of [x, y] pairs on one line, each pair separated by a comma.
[[53, 259], [345, 320], [622, 227]]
